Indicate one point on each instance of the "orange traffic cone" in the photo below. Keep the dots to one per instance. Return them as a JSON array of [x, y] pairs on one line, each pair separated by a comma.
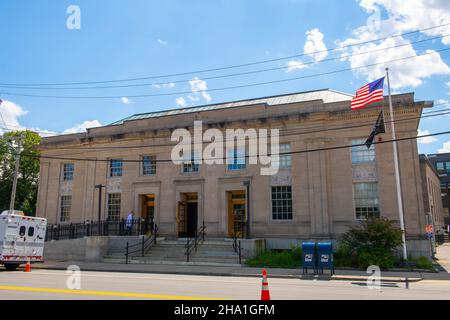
[[27, 266], [265, 293]]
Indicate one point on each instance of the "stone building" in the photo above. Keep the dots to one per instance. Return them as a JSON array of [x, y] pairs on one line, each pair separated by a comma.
[[318, 192], [441, 162], [432, 199]]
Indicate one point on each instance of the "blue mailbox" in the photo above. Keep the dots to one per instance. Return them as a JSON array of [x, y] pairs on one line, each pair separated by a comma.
[[325, 256], [309, 256]]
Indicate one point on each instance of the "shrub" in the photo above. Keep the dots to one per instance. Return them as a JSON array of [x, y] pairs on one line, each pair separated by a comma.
[[372, 242], [277, 259]]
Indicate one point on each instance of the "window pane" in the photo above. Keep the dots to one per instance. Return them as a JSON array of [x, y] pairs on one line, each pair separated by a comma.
[[237, 157], [447, 165], [148, 165], [282, 203], [189, 165], [114, 201], [116, 167], [68, 169], [366, 200], [440, 166], [361, 154], [65, 208], [285, 159]]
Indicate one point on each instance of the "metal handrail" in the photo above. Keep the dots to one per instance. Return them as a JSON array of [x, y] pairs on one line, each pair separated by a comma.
[[192, 243], [237, 244], [143, 246]]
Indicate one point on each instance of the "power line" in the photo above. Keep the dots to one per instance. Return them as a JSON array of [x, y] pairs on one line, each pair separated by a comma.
[[424, 115], [221, 76], [246, 156], [232, 66], [290, 132], [225, 88]]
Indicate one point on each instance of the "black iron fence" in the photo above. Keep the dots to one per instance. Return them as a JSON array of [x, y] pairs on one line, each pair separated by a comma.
[[192, 243], [239, 232], [142, 247], [121, 227]]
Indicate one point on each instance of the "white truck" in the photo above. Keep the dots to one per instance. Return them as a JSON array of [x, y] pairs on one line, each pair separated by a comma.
[[21, 239]]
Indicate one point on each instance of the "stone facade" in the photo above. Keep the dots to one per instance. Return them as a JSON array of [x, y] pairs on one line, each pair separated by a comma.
[[322, 181], [432, 199]]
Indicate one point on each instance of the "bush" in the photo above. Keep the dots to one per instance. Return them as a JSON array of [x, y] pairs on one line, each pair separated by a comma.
[[372, 242], [277, 259]]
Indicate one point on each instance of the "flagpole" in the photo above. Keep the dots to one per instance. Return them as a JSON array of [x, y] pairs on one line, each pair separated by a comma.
[[397, 172]]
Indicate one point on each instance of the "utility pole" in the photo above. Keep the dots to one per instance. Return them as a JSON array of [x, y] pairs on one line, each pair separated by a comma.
[[99, 187], [16, 144]]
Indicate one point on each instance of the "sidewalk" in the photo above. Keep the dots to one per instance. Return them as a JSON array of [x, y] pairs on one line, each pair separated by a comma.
[[349, 275]]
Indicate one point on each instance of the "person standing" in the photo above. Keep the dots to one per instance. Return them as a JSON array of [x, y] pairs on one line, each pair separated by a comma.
[[129, 223]]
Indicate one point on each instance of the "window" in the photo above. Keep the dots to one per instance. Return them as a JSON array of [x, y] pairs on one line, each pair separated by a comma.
[[440, 166], [366, 200], [148, 165], [285, 159], [361, 154], [115, 167], [114, 206], [282, 203], [447, 165], [68, 171], [443, 186], [189, 165], [22, 231], [237, 157], [65, 208], [30, 231]]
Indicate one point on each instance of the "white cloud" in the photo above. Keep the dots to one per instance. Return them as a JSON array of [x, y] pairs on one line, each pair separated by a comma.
[[445, 147], [126, 100], [169, 85], [83, 126], [426, 140], [199, 89], [295, 65], [314, 43], [181, 102], [163, 42], [10, 112], [403, 16]]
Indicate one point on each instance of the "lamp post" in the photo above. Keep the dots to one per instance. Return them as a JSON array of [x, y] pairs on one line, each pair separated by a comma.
[[16, 144], [247, 200], [99, 187]]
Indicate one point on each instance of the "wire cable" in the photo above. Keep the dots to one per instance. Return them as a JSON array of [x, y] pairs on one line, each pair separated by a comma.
[[232, 66], [222, 76]]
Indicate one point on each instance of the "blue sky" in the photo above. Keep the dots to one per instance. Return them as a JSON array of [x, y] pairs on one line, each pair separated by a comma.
[[122, 39]]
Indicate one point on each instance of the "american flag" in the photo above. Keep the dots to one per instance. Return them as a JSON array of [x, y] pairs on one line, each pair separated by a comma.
[[372, 92]]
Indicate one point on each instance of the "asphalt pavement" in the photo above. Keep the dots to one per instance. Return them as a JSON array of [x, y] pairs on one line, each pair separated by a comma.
[[53, 284]]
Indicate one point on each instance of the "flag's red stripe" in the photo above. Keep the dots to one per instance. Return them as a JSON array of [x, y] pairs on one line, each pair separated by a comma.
[[369, 101], [367, 96], [377, 96]]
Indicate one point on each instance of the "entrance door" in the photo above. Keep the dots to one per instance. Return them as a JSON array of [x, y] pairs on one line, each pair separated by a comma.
[[148, 211], [237, 215], [192, 218], [187, 215]]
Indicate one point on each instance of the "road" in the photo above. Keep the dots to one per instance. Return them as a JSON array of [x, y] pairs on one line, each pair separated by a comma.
[[51, 285]]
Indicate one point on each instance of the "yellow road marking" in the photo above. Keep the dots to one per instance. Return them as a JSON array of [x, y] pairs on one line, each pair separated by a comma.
[[107, 293]]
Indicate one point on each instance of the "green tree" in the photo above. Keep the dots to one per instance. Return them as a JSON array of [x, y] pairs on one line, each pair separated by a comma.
[[27, 184]]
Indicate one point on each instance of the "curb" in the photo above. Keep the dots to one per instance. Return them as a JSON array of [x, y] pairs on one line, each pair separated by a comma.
[[249, 275]]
